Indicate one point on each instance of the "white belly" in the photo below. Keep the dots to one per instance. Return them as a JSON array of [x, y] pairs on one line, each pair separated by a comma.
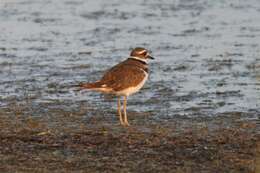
[[132, 90]]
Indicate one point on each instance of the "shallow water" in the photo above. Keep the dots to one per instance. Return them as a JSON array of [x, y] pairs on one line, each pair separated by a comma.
[[207, 55]]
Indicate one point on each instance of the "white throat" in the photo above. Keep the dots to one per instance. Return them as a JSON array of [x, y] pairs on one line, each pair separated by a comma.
[[140, 59]]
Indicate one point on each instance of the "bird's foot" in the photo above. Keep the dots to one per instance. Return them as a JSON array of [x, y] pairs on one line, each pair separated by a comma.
[[126, 123], [122, 123]]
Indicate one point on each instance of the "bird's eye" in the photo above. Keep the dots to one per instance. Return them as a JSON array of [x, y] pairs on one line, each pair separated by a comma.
[[145, 53]]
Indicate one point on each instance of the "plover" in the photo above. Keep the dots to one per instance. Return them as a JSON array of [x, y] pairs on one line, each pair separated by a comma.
[[124, 79]]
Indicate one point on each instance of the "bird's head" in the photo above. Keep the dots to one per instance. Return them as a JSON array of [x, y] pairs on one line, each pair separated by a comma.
[[141, 53]]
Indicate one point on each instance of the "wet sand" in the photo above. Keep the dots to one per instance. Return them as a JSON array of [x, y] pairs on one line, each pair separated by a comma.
[[198, 112], [69, 142], [219, 145]]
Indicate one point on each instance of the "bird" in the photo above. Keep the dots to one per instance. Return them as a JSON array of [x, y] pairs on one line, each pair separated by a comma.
[[124, 79]]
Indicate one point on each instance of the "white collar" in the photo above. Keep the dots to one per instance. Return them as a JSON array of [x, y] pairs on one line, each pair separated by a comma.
[[140, 59]]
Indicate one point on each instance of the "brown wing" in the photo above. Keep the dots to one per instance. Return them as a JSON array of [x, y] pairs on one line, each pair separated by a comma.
[[123, 76]]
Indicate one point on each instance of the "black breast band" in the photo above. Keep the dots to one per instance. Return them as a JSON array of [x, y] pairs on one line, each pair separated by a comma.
[[144, 63]]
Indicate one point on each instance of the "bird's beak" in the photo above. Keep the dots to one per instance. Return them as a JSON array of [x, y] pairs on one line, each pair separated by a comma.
[[150, 57]]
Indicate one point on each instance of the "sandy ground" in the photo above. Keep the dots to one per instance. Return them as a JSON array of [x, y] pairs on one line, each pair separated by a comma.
[[31, 144]]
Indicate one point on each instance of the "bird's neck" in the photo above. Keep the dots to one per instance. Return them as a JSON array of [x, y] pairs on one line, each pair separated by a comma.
[[143, 61]]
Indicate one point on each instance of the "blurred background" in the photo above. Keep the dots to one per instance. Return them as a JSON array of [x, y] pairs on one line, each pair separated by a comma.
[[207, 56]]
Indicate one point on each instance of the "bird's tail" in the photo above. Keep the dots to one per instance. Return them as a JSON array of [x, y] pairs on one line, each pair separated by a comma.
[[90, 85], [96, 86]]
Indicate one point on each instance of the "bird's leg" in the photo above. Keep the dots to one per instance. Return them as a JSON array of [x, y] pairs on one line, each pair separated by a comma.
[[119, 111], [125, 116]]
